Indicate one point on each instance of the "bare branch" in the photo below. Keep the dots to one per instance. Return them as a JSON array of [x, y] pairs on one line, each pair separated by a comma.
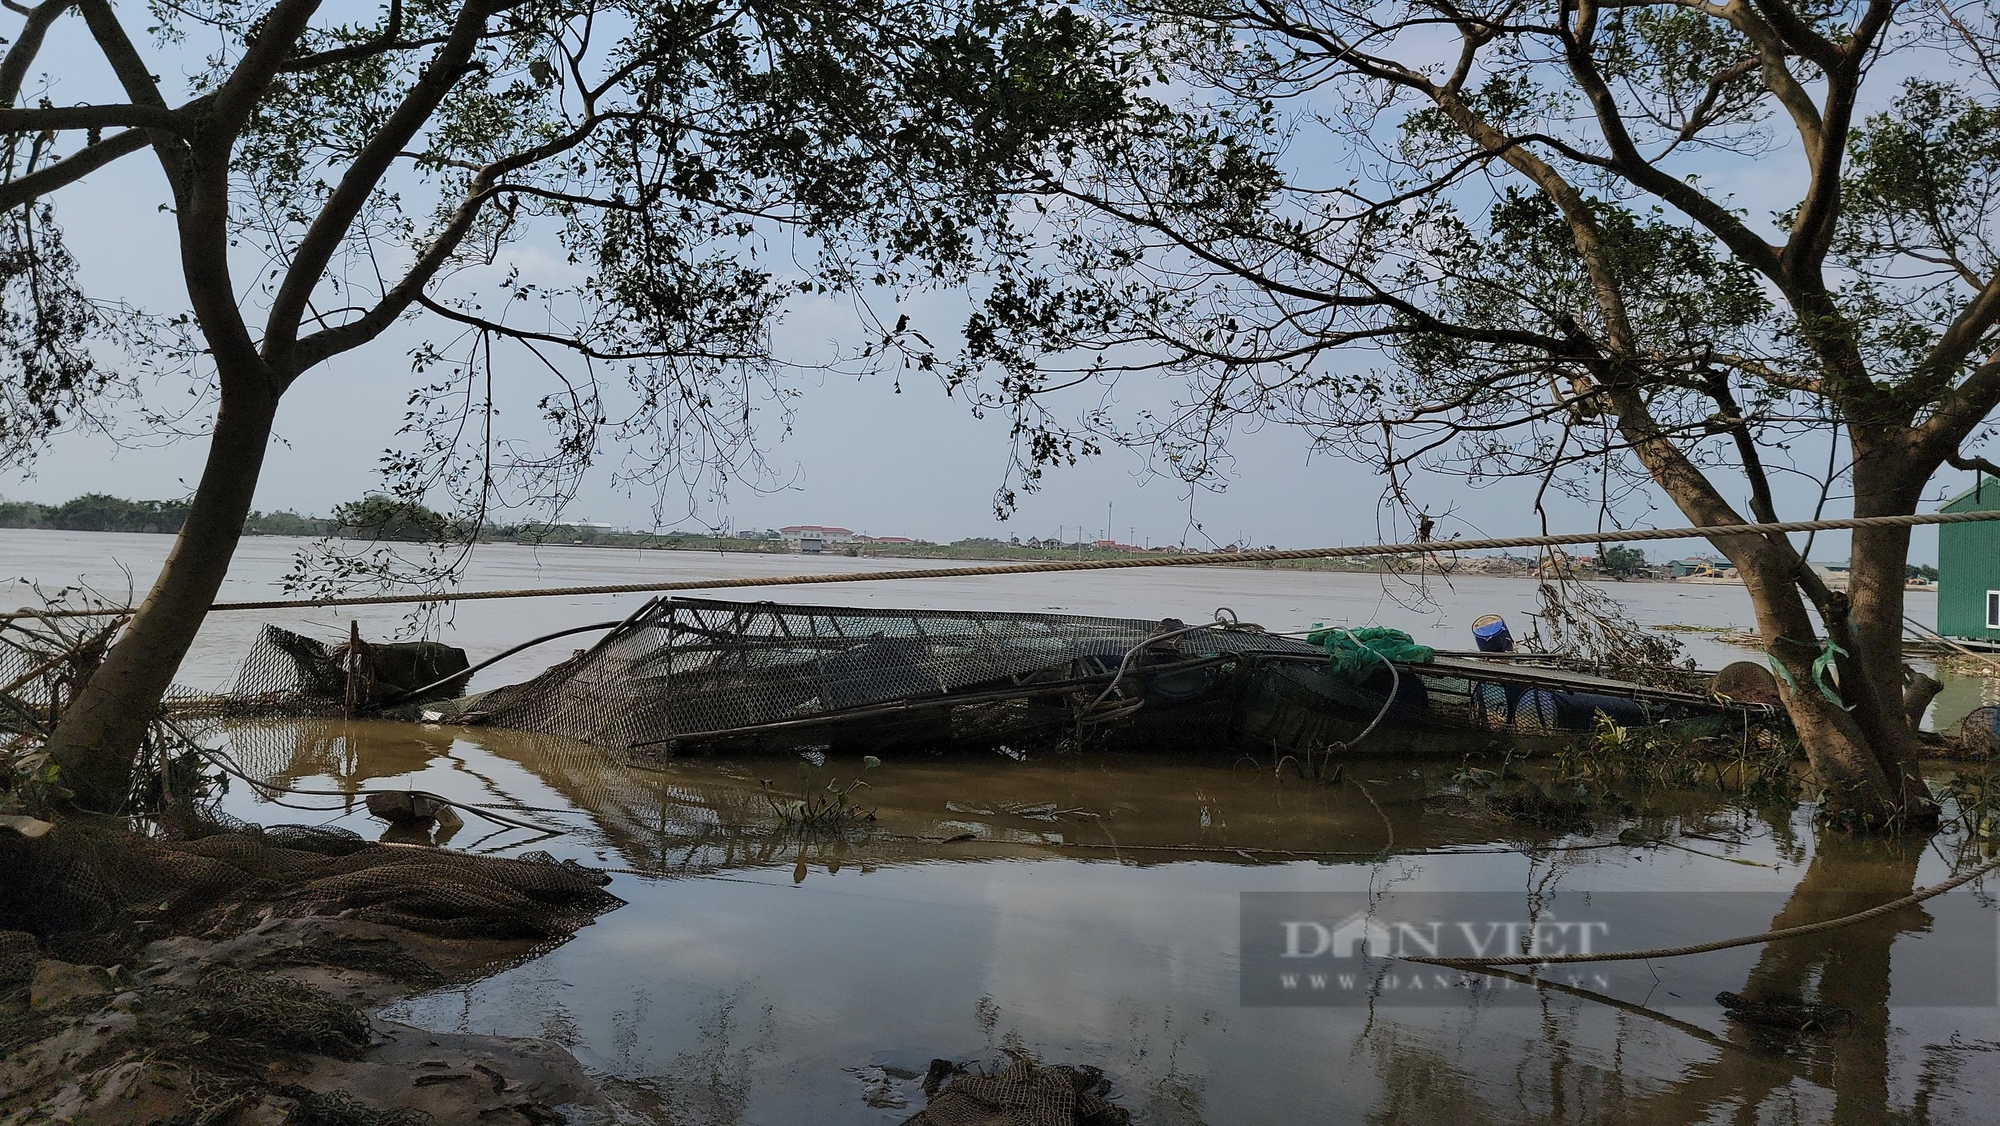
[[59, 118], [70, 169], [329, 228], [320, 345], [1973, 462], [27, 45], [574, 344]]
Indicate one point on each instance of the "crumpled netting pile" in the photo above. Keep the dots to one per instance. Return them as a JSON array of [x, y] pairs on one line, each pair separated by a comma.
[[18, 955], [276, 1012], [92, 893], [1025, 1093], [338, 1108]]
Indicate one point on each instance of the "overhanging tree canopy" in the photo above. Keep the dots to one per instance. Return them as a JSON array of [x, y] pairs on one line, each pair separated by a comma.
[[333, 171], [1606, 245]]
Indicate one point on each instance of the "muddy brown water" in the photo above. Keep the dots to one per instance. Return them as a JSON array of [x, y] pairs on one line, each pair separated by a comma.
[[1088, 911]]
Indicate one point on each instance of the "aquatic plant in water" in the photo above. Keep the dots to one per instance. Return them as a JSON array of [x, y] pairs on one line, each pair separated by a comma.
[[828, 807], [1973, 803], [1754, 764]]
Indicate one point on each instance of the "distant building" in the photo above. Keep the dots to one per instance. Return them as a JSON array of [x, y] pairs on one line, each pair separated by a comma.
[[883, 539], [1694, 566], [810, 538], [1968, 582]]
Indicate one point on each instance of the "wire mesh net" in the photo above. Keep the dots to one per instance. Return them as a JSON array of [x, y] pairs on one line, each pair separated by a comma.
[[1979, 731], [288, 673], [681, 667]]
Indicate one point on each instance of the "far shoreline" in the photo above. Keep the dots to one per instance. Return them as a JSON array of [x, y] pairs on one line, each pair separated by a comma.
[[993, 552]]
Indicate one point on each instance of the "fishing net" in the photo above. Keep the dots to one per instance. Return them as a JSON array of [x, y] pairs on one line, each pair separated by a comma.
[[1025, 1093], [1357, 654], [92, 893], [287, 673], [1979, 731], [681, 667], [283, 1013]]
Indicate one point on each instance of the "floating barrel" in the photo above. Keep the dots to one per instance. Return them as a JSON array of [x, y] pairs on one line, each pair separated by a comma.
[[1537, 711], [1541, 710]]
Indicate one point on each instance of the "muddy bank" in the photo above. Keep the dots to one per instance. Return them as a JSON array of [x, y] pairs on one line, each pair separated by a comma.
[[232, 978]]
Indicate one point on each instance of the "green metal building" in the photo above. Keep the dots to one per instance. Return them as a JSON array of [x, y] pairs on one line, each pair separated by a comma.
[[1969, 567]]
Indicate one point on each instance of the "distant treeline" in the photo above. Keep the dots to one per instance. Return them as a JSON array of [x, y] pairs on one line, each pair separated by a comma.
[[97, 512], [374, 517]]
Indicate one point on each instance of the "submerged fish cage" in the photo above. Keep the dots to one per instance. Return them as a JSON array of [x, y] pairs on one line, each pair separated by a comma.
[[690, 676], [684, 673], [687, 675]]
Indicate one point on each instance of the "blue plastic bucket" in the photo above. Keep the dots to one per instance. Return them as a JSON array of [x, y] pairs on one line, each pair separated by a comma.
[[1491, 635]]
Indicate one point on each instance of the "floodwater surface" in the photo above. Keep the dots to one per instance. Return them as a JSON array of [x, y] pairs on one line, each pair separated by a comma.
[[1089, 910]]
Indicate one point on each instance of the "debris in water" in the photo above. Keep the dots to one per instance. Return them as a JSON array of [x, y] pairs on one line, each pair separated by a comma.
[[882, 1087], [1025, 1093], [1785, 1014], [1531, 805], [1040, 811]]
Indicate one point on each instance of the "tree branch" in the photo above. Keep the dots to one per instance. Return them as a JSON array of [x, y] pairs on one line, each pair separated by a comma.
[[1629, 163], [1813, 229], [133, 74], [137, 80], [70, 169], [1959, 409], [60, 118], [383, 42], [573, 344], [236, 99], [329, 228], [1973, 462], [27, 46], [368, 50], [325, 343]]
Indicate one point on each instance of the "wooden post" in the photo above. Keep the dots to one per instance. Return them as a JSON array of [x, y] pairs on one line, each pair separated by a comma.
[[1918, 692], [353, 666]]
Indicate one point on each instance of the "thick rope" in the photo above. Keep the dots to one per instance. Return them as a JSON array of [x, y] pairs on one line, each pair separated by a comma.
[[1876, 912], [1422, 547]]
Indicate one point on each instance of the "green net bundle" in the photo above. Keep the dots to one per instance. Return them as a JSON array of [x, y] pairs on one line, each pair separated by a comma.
[[1356, 654]]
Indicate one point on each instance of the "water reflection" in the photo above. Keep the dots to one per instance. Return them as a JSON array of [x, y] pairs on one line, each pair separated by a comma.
[[1085, 911]]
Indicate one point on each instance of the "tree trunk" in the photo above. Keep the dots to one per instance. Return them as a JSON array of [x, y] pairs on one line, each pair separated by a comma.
[[1857, 790], [1878, 567], [98, 736]]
